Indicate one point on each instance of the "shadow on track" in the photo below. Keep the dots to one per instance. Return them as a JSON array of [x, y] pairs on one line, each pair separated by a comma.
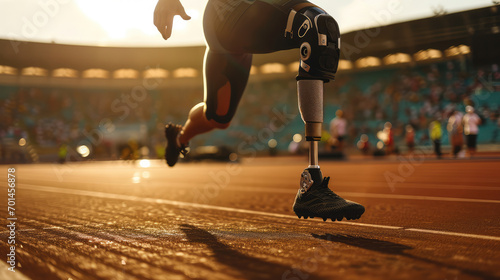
[[247, 267], [391, 248]]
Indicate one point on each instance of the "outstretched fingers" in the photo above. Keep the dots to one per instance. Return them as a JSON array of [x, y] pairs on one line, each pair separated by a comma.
[[164, 14]]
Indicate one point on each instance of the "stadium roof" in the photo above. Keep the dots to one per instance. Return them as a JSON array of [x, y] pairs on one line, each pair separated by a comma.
[[478, 28], [53, 56]]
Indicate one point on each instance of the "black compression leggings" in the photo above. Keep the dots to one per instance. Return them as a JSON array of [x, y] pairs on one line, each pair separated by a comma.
[[234, 30]]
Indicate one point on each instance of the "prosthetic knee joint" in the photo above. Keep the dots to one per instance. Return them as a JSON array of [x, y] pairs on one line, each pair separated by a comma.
[[319, 38]]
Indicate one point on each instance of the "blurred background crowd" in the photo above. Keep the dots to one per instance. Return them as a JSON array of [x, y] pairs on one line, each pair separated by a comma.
[[409, 97]]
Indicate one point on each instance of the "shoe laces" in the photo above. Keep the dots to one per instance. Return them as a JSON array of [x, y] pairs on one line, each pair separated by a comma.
[[328, 192]]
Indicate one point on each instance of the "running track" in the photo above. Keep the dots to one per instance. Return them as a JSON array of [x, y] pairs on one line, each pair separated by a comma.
[[424, 219]]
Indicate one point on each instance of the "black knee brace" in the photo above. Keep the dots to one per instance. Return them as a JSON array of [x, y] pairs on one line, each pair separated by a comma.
[[319, 37]]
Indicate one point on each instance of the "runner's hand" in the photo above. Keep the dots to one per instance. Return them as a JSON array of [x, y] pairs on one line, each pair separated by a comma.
[[164, 16]]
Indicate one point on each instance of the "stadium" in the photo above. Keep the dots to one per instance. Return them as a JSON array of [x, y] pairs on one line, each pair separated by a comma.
[[429, 72], [83, 126]]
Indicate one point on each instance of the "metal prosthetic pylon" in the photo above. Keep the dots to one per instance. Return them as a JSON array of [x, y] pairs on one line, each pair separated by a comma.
[[310, 97]]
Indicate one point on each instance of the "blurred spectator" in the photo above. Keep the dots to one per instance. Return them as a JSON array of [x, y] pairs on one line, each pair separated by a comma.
[[471, 123], [389, 138], [455, 132], [338, 129], [160, 151], [364, 145], [436, 133], [62, 153], [494, 135], [410, 138]]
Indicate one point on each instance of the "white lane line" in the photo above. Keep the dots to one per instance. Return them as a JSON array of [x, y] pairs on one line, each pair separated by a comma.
[[420, 185], [366, 195], [52, 228], [235, 210], [363, 225], [451, 233], [418, 197], [373, 195]]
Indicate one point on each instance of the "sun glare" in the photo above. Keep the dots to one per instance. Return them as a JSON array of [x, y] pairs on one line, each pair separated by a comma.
[[123, 18]]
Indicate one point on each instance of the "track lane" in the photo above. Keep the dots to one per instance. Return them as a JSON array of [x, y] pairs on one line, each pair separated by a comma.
[[179, 241]]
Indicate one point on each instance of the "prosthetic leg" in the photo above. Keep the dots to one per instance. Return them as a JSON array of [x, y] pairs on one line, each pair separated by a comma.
[[319, 57], [310, 99], [319, 51]]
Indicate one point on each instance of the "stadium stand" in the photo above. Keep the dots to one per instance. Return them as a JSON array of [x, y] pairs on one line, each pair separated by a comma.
[[52, 94]]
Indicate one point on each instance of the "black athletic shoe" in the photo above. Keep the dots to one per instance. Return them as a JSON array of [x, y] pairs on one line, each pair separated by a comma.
[[173, 151], [317, 200]]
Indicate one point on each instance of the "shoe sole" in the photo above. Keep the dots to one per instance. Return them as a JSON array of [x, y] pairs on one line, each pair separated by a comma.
[[352, 214]]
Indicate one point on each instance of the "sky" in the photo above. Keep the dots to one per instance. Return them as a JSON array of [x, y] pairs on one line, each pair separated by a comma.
[[130, 22]]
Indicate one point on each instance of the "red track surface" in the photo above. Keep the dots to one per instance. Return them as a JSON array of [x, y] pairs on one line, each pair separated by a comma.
[[431, 220]]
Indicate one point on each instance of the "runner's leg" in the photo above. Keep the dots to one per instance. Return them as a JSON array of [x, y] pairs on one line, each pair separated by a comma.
[[226, 76]]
